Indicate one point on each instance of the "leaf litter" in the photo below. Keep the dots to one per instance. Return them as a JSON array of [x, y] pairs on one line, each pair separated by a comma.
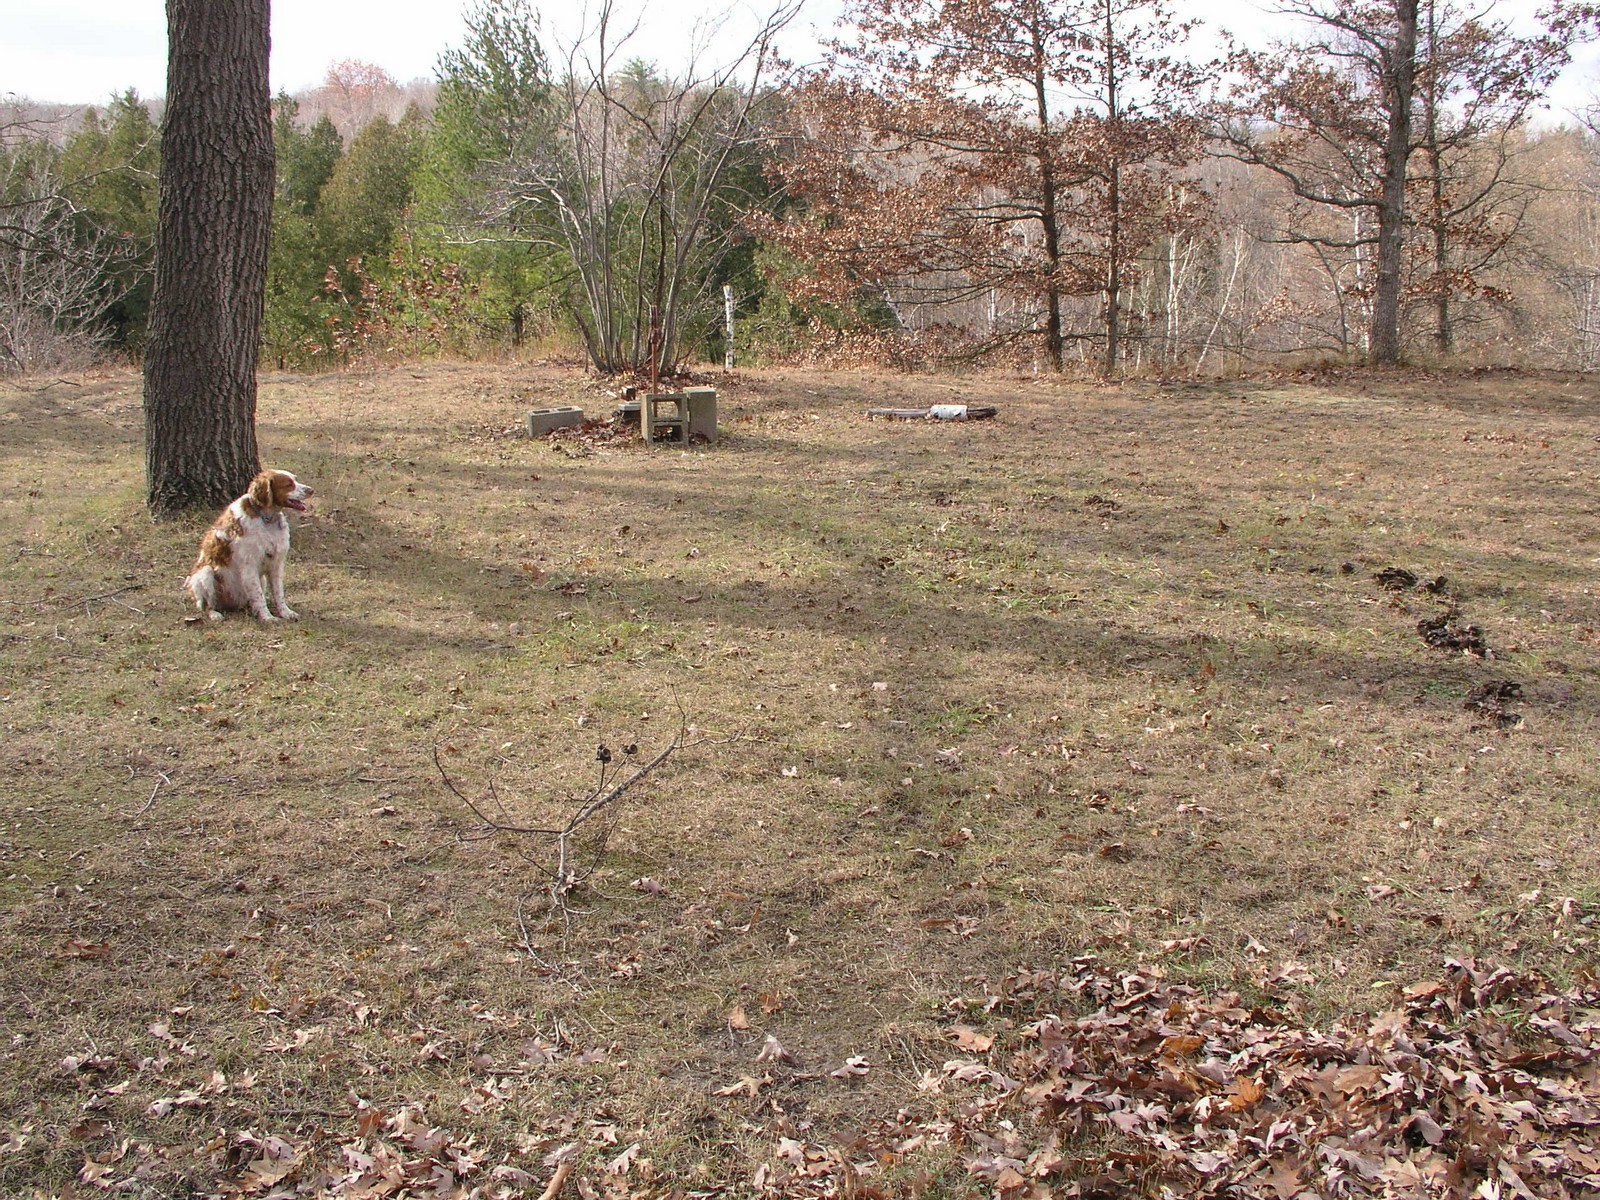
[[1484, 1082]]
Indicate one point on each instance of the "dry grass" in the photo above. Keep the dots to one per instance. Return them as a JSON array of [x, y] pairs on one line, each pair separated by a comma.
[[1108, 675]]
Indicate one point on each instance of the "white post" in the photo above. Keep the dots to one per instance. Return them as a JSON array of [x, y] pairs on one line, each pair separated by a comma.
[[727, 310]]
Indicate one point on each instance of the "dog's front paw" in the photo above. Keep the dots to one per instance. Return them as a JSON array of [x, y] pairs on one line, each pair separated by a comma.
[[265, 617], [288, 614]]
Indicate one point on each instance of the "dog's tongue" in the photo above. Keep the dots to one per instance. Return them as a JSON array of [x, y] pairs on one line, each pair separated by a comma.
[[297, 505]]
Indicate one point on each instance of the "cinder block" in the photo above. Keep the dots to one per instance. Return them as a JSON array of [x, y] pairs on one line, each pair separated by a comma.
[[542, 420], [662, 417], [702, 406]]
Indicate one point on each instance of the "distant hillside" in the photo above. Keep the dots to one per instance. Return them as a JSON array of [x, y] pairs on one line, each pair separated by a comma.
[[22, 117], [353, 95], [353, 99]]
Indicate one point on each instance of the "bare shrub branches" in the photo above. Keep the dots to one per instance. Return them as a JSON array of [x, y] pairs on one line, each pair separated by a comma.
[[568, 852]]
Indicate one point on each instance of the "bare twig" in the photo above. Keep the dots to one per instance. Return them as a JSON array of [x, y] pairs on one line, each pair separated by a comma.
[[490, 822], [595, 805], [103, 596], [563, 870], [162, 779]]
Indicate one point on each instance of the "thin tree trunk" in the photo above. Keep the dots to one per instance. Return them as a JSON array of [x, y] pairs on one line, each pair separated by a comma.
[[1444, 325], [1054, 337], [1227, 295], [1444, 332], [214, 221], [1400, 81], [1113, 204]]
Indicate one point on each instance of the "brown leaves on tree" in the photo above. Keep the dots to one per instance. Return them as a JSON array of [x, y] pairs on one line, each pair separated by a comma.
[[935, 160], [1340, 114]]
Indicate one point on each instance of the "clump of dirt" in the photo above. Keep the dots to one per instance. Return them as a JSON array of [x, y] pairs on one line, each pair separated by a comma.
[[1398, 579], [1441, 633], [1490, 699]]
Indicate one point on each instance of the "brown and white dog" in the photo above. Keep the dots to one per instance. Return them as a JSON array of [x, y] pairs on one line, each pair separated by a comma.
[[247, 544]]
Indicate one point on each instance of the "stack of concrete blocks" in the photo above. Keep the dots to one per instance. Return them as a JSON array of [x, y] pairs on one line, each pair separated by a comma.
[[687, 414], [542, 420]]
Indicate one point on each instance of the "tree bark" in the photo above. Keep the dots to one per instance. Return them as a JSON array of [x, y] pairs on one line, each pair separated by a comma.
[[1049, 217], [213, 227], [1113, 202], [1399, 86], [1054, 334]]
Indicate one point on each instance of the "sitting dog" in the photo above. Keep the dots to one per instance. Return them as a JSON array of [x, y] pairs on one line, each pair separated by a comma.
[[247, 544]]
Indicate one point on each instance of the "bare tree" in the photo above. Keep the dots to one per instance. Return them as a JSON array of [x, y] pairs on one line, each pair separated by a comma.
[[1340, 115], [53, 272], [354, 93], [211, 256], [1477, 82], [57, 272], [1565, 257], [1332, 116], [627, 181]]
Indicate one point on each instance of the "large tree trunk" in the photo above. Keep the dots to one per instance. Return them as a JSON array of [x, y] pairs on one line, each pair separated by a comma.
[[1400, 85], [211, 256], [1444, 333]]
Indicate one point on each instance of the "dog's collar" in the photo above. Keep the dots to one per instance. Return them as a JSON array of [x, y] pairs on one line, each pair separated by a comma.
[[271, 518]]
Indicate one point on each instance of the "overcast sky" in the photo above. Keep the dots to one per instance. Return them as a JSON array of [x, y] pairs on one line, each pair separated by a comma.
[[86, 51]]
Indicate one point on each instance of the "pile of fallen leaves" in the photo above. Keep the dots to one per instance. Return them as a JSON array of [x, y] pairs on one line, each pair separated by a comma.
[[586, 437], [1485, 1083]]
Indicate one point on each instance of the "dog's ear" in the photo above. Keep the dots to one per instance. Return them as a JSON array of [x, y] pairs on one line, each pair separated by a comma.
[[261, 490]]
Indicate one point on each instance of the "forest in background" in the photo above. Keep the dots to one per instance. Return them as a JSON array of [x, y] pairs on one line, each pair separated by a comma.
[[1045, 185]]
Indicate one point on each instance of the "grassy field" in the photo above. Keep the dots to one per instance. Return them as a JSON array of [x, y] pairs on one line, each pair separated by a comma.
[[1108, 686]]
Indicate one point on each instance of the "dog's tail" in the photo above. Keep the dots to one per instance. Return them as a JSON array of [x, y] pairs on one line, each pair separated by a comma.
[[202, 585]]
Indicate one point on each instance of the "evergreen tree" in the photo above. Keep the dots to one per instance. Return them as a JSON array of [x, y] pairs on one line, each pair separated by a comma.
[[300, 256], [495, 103], [368, 191], [110, 169]]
